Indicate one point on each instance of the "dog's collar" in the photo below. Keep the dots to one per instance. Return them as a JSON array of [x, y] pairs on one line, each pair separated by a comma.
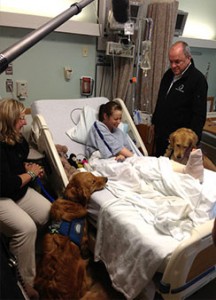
[[72, 229]]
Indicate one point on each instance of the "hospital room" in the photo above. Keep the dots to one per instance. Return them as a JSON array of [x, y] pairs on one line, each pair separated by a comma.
[[112, 105]]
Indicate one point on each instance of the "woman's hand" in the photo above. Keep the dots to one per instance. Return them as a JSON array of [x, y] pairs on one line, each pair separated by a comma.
[[120, 158], [35, 168]]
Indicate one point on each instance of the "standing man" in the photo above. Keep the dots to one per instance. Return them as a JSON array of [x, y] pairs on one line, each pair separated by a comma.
[[182, 98]]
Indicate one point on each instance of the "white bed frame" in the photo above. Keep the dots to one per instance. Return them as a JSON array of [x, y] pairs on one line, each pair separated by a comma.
[[193, 263]]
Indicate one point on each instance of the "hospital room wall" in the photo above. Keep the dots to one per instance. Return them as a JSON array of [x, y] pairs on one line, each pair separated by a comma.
[[42, 66], [205, 61]]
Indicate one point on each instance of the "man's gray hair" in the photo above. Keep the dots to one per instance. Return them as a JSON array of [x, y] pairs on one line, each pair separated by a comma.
[[186, 49]]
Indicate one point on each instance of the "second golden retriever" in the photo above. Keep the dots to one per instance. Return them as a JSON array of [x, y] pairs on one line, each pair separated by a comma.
[[181, 142], [62, 271]]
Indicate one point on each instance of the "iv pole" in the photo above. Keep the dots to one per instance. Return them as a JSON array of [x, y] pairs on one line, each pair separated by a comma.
[[138, 58], [35, 36]]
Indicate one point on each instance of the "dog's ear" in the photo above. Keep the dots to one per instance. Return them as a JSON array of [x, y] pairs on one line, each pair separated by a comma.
[[76, 190], [193, 138], [172, 139], [70, 191], [84, 194]]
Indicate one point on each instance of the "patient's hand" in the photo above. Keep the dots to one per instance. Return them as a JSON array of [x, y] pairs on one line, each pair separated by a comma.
[[120, 158]]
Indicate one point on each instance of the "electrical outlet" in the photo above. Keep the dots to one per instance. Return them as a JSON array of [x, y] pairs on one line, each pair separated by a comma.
[[21, 87], [67, 73], [85, 51], [9, 85], [9, 70]]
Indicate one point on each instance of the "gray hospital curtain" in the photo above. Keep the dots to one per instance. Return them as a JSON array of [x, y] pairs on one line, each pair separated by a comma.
[[122, 73], [163, 14]]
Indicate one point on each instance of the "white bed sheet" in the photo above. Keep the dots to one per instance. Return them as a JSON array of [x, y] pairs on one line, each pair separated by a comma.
[[151, 200]]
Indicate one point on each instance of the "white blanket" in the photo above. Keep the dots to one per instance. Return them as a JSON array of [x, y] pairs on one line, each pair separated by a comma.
[[153, 210]]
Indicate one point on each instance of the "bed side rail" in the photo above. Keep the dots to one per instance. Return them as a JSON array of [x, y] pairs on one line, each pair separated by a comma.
[[191, 265], [41, 136], [132, 130]]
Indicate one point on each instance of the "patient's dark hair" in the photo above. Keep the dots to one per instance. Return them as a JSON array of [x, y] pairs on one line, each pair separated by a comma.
[[108, 109]]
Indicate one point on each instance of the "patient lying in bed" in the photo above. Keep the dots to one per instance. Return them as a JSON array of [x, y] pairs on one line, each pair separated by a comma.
[[110, 141]]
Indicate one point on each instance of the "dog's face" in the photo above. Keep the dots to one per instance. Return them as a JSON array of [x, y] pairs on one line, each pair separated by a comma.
[[82, 185], [182, 141]]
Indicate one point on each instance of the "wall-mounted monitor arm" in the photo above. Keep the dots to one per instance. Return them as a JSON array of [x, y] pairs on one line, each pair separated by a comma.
[[35, 36]]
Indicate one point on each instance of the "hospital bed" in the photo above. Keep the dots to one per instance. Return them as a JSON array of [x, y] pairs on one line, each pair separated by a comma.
[[181, 267]]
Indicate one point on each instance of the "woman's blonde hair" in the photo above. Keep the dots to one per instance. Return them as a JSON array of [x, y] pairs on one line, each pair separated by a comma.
[[10, 111]]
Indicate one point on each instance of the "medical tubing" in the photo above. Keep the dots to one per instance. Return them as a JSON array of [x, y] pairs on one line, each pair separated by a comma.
[[35, 36]]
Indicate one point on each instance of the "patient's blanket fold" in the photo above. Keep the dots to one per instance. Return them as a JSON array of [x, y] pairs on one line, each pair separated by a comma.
[[154, 209]]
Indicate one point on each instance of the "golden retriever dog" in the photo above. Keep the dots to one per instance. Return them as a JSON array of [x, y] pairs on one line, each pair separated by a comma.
[[181, 142], [62, 270]]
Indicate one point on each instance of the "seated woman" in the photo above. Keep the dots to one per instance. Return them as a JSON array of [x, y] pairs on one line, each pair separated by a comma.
[[22, 209], [105, 137]]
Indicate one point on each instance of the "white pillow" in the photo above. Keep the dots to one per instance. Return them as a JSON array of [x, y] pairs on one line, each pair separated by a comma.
[[80, 131]]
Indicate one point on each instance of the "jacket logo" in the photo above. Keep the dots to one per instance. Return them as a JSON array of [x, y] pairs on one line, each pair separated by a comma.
[[180, 88]]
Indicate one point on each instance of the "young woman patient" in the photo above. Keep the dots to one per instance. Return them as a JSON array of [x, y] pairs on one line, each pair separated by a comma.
[[105, 137]]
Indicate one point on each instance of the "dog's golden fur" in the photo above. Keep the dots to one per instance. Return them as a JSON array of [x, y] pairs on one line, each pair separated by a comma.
[[181, 142], [62, 271]]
